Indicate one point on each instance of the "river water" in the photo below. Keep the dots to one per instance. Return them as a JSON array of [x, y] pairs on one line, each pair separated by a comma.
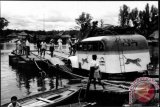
[[18, 83]]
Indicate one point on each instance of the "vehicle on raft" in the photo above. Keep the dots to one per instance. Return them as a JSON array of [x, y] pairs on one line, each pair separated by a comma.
[[50, 98], [119, 56]]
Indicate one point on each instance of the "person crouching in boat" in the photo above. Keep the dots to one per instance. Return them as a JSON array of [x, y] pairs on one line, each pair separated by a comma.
[[14, 102]]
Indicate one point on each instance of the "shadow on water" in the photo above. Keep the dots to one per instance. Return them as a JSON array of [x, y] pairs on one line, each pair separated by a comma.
[[45, 81], [24, 78]]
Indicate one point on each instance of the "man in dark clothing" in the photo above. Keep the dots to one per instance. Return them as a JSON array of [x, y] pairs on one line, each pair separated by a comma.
[[39, 47], [51, 47]]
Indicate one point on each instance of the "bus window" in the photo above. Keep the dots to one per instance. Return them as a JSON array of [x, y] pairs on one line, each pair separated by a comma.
[[95, 46], [90, 47], [84, 47], [80, 47], [101, 47]]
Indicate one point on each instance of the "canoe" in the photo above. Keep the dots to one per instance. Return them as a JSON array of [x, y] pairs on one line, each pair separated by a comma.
[[49, 98]]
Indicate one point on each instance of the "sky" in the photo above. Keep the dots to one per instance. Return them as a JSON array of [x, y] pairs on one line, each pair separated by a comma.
[[61, 15]]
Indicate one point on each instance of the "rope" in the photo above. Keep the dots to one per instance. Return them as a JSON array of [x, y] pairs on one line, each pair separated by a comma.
[[72, 73], [63, 68], [40, 69]]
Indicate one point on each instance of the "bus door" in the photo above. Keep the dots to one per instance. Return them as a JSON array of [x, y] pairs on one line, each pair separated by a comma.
[[82, 56], [101, 58]]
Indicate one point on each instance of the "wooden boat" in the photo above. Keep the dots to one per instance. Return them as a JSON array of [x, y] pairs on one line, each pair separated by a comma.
[[49, 98]]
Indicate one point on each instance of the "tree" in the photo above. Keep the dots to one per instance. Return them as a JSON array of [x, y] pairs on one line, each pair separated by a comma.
[[3, 22], [134, 17], [84, 21], [154, 18], [124, 16], [93, 31], [148, 20], [145, 22]]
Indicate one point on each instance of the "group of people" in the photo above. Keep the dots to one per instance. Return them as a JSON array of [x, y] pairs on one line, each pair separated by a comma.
[[23, 47], [42, 47], [72, 46]]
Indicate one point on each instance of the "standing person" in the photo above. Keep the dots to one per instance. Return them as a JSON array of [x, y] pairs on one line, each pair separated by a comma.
[[39, 47], [97, 75], [43, 48], [70, 46], [14, 102], [91, 73], [19, 47], [27, 48], [74, 47], [94, 73], [51, 47], [16, 47], [60, 44], [23, 47]]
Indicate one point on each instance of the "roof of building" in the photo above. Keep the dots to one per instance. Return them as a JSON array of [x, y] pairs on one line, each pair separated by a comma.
[[13, 34], [65, 36], [23, 34]]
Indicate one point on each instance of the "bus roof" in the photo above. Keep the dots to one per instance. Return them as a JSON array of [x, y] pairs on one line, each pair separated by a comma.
[[125, 42], [114, 37], [98, 38]]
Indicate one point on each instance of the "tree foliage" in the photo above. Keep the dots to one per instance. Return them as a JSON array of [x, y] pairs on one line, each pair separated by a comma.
[[84, 21], [124, 16], [134, 17], [93, 30], [144, 22], [3, 23]]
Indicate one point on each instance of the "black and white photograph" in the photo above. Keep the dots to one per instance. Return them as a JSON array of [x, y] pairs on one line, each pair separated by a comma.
[[79, 53]]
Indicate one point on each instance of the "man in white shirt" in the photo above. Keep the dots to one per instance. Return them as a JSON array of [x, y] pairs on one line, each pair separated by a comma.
[[60, 44], [19, 46], [14, 102], [27, 48], [94, 73], [43, 48]]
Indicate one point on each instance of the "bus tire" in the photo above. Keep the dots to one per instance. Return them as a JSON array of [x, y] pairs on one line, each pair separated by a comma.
[[80, 65]]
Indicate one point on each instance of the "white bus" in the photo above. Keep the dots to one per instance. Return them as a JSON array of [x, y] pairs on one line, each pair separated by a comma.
[[116, 54]]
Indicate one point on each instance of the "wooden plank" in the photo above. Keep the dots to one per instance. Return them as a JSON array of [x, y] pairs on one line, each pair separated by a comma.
[[45, 100]]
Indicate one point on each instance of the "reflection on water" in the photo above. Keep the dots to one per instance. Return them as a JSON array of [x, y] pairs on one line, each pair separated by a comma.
[[20, 82], [7, 46]]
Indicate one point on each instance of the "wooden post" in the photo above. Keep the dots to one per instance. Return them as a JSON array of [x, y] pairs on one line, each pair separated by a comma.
[[57, 75], [88, 86]]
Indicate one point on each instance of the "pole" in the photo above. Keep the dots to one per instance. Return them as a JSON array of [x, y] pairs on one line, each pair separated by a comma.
[[57, 75]]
